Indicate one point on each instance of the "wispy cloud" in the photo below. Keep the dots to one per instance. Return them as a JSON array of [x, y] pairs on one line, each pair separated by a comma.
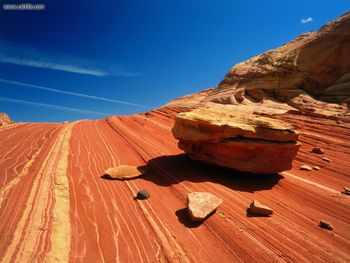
[[53, 106], [22, 84], [13, 53], [306, 20]]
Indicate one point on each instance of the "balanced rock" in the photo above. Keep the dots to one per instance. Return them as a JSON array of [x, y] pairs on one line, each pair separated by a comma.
[[242, 141], [122, 172], [202, 204], [257, 208]]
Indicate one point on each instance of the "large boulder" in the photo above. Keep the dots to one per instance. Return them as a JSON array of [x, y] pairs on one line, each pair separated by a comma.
[[242, 141]]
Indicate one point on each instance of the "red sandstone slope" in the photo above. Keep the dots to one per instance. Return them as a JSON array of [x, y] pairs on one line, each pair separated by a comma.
[[54, 205]]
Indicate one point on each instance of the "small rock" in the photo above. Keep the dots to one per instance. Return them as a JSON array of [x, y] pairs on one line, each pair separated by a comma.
[[326, 225], [142, 195], [317, 150], [122, 172], [305, 167], [257, 208], [316, 168], [201, 204], [346, 191], [326, 159]]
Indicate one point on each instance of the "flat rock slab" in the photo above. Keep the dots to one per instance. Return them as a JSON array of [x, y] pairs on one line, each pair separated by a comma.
[[201, 205], [124, 172], [244, 142], [326, 159], [306, 167], [259, 209]]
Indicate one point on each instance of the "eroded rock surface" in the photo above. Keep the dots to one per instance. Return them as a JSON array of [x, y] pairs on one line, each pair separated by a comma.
[[245, 142]]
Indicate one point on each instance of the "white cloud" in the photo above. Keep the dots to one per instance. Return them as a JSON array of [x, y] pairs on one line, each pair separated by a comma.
[[306, 20], [82, 95], [53, 106], [26, 56]]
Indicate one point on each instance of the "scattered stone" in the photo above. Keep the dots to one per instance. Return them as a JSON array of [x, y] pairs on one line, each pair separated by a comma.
[[317, 150], [201, 204], [257, 208], [305, 167], [122, 172], [326, 159], [326, 225], [346, 191], [240, 140], [142, 195], [316, 168]]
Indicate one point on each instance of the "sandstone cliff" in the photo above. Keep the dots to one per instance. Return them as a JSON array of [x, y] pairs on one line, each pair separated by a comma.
[[310, 73]]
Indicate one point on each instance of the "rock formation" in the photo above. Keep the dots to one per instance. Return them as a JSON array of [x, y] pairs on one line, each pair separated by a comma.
[[244, 142], [310, 74], [4, 119]]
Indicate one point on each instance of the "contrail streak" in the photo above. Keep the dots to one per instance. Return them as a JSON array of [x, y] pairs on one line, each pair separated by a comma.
[[53, 106], [82, 95]]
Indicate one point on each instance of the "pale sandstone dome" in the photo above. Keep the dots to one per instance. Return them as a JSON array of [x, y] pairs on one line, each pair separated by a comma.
[[244, 142], [310, 73]]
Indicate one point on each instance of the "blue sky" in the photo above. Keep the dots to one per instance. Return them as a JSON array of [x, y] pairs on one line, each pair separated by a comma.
[[85, 60]]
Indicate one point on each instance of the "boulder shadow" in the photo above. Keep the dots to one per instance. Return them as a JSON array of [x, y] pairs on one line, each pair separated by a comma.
[[184, 218], [251, 214], [174, 169]]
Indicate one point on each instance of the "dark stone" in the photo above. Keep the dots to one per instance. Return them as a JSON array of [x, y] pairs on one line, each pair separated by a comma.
[[142, 195], [326, 225]]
